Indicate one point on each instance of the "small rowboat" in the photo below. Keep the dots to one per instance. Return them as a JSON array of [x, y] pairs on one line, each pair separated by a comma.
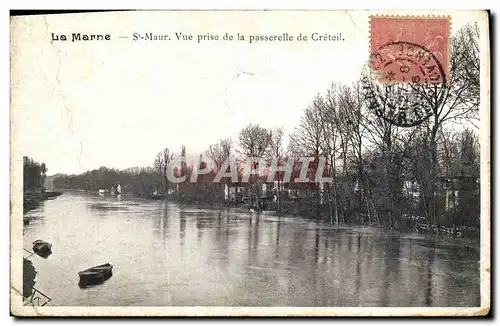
[[42, 248], [95, 275]]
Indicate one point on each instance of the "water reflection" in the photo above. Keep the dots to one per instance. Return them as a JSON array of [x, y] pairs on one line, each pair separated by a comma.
[[169, 254], [182, 227]]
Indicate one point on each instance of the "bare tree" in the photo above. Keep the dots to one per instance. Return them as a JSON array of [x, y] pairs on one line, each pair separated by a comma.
[[466, 52], [308, 138], [183, 160], [469, 197], [460, 101], [450, 166], [454, 99], [352, 122], [254, 143], [220, 152], [463, 176], [276, 153], [332, 144], [388, 139]]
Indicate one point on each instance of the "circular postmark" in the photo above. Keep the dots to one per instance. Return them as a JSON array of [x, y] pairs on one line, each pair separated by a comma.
[[404, 84]]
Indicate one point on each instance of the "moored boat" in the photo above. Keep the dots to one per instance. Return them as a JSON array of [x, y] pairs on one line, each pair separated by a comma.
[[95, 275], [51, 194]]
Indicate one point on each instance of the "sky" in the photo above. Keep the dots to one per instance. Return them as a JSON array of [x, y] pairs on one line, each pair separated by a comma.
[[80, 105]]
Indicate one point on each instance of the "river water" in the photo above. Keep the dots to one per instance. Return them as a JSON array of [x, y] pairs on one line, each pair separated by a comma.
[[168, 254]]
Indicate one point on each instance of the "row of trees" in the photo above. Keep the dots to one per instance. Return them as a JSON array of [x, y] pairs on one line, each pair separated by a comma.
[[34, 174], [136, 180]]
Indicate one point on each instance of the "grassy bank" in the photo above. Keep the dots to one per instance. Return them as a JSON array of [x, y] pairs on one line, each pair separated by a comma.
[[31, 200]]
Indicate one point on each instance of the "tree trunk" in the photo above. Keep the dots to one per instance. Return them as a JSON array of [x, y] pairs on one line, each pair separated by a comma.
[[278, 198], [335, 204], [317, 201], [328, 199], [334, 178], [433, 175]]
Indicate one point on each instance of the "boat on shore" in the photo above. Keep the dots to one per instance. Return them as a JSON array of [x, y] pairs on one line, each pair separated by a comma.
[[42, 248], [95, 275]]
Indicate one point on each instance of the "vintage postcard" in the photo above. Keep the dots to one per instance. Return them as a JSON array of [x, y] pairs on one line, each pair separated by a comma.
[[250, 163]]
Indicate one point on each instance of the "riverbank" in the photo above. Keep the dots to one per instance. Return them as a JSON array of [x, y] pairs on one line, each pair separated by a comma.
[[31, 200], [429, 232]]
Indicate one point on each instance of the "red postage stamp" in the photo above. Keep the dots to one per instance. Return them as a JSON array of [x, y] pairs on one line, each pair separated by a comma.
[[410, 49]]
